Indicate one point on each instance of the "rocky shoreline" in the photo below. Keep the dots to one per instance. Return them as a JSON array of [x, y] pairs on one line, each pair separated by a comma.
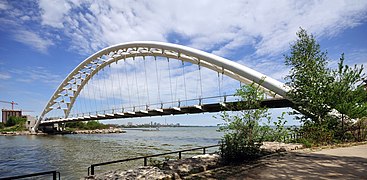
[[96, 131], [20, 133], [183, 168], [100, 131]]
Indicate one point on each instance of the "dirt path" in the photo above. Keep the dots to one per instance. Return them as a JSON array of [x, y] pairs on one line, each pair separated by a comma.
[[339, 163]]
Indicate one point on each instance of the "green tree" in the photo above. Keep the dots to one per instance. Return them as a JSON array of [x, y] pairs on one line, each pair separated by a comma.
[[317, 90], [349, 98], [309, 77], [12, 121], [243, 134]]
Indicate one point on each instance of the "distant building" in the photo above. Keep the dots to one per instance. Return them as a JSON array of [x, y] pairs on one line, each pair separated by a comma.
[[31, 122], [6, 113]]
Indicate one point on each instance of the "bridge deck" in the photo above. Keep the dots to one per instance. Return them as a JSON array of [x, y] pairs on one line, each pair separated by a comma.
[[215, 107]]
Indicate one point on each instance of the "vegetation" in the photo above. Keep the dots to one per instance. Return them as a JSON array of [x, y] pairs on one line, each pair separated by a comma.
[[327, 99], [90, 125], [13, 124], [243, 133]]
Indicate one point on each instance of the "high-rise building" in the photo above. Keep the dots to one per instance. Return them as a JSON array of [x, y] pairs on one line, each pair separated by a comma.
[[6, 113]]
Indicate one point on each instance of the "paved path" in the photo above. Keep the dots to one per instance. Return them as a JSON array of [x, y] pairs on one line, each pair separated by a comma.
[[339, 163]]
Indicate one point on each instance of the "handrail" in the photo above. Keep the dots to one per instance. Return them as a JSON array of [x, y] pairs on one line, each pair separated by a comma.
[[91, 168], [54, 173], [146, 106]]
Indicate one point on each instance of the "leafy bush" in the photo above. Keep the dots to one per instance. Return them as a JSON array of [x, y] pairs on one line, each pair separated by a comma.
[[12, 121], [243, 134], [280, 132]]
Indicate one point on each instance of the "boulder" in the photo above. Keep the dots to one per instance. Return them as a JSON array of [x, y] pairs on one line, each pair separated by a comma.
[[196, 164], [280, 147], [142, 172]]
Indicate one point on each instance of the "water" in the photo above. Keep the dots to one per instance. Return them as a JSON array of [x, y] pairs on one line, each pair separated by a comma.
[[73, 154]]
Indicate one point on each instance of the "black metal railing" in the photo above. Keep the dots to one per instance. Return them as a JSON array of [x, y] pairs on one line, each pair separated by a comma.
[[91, 168], [55, 175]]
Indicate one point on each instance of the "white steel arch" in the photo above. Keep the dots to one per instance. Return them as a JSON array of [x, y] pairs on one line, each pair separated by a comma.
[[77, 79]]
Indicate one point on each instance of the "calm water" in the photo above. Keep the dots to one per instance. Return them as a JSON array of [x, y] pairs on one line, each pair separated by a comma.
[[73, 154]]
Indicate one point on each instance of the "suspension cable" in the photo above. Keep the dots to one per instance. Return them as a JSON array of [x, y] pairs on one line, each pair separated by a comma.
[[127, 81], [219, 92], [146, 79], [184, 78], [120, 86], [113, 88], [201, 84], [105, 85], [170, 81], [94, 94], [156, 72], [89, 97], [136, 81]]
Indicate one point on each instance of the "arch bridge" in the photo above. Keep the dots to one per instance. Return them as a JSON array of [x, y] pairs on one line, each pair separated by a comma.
[[146, 78]]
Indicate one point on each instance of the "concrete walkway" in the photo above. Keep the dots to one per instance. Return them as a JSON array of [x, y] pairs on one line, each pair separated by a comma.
[[339, 163]]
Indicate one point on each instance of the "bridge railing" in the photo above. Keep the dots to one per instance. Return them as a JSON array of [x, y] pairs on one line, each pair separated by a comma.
[[160, 105], [55, 175], [92, 167]]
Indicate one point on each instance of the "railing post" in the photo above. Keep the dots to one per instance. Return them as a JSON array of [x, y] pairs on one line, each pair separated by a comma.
[[145, 161], [54, 175], [92, 170], [179, 155], [203, 150]]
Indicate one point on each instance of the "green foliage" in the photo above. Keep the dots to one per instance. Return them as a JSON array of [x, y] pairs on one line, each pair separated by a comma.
[[13, 124], [305, 142], [309, 78], [243, 134], [12, 121], [359, 130], [349, 99], [280, 133], [90, 125], [318, 91]]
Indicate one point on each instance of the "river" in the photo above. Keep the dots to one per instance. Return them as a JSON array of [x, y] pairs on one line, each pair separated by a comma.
[[72, 154]]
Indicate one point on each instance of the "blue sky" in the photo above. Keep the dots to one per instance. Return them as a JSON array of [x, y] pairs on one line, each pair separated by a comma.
[[42, 41]]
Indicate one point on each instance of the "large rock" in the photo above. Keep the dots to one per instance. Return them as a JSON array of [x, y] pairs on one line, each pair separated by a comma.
[[196, 164], [142, 172], [280, 147]]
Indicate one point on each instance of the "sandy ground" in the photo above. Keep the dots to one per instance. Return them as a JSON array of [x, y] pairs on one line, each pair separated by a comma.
[[339, 163]]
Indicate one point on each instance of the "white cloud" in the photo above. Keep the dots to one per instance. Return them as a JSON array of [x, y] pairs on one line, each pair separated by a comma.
[[36, 74], [268, 27], [4, 76], [3, 5], [53, 12], [34, 40]]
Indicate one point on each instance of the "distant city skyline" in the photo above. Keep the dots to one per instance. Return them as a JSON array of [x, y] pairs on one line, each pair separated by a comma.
[[42, 41]]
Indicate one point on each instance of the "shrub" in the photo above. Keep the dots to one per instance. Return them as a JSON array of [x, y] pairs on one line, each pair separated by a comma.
[[243, 134]]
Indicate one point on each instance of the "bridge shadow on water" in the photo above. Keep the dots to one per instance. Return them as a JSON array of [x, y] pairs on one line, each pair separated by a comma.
[[294, 165]]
